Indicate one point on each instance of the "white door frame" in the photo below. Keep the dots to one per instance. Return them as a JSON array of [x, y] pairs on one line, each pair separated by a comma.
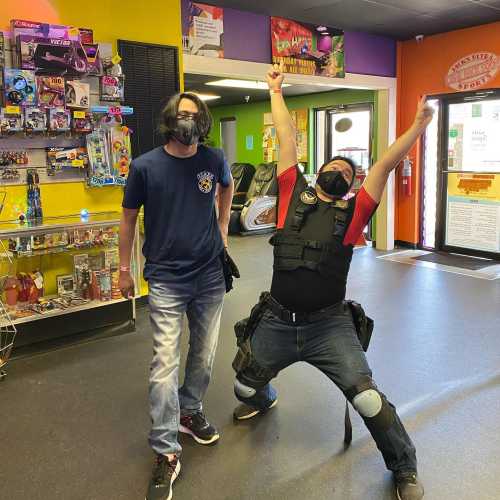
[[386, 88]]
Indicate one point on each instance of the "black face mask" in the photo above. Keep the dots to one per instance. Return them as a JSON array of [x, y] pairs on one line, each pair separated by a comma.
[[333, 183], [186, 132]]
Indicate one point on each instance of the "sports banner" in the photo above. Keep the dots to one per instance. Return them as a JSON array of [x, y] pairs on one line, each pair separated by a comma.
[[307, 49]]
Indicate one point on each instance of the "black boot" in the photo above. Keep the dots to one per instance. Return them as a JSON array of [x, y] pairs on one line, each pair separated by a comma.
[[408, 487]]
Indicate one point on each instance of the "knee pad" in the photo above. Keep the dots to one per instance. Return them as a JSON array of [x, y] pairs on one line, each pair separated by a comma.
[[242, 390], [371, 404]]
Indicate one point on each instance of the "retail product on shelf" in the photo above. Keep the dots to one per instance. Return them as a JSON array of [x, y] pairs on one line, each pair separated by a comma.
[[121, 152], [20, 87], [65, 285], [50, 91], [98, 149], [94, 65], [11, 289], [82, 275], [46, 30], [13, 158], [35, 119], [77, 94], [10, 123], [2, 65], [59, 158], [34, 201], [112, 88], [82, 122], [51, 55], [59, 120]]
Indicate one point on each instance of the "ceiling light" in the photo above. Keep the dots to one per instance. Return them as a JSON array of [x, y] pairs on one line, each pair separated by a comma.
[[206, 97], [321, 28], [242, 84], [326, 33]]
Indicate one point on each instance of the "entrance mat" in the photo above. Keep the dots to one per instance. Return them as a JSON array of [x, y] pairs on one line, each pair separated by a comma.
[[461, 261]]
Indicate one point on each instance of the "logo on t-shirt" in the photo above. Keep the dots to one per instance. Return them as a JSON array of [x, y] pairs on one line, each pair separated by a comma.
[[205, 181]]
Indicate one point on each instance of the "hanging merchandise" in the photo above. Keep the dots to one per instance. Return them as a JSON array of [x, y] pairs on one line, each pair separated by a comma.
[[45, 30], [59, 120], [62, 158], [120, 152], [82, 122], [50, 91], [94, 64], [77, 94], [35, 120], [34, 201], [2, 65], [20, 87], [112, 88], [8, 158], [100, 173], [11, 121]]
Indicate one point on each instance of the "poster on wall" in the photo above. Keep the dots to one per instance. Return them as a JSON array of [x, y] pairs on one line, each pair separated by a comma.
[[270, 144], [473, 212], [307, 49], [205, 31]]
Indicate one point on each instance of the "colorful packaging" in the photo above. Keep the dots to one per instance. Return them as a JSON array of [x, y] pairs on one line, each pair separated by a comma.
[[53, 55], [10, 123], [59, 120], [77, 94], [35, 119], [45, 30], [50, 91], [112, 88], [82, 124], [58, 158], [94, 64], [20, 87]]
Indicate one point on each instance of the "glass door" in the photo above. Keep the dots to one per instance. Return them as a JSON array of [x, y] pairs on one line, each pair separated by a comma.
[[470, 175]]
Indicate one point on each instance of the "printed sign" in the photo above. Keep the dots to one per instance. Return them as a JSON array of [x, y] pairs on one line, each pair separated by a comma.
[[205, 30], [473, 71], [307, 49]]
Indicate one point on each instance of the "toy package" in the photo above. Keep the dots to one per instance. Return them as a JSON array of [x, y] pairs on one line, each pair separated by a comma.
[[59, 120], [100, 172], [59, 158], [65, 285], [35, 119], [45, 30], [50, 91], [112, 88], [82, 275], [105, 284], [77, 94], [94, 65], [20, 87], [86, 36], [82, 123], [10, 123], [121, 152]]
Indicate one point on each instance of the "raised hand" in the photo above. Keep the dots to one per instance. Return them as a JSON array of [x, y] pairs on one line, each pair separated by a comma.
[[275, 76], [424, 114]]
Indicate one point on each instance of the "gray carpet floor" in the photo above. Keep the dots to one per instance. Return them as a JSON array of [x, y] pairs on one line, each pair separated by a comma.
[[74, 422]]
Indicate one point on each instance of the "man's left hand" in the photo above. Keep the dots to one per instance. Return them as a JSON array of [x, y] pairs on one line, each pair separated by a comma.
[[424, 114]]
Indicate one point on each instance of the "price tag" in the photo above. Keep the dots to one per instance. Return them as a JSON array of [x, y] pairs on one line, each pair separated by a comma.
[[115, 110], [116, 59], [109, 80], [79, 114], [77, 163], [73, 32], [13, 110]]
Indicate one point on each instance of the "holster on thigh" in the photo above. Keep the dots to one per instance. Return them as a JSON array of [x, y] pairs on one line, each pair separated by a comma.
[[247, 368]]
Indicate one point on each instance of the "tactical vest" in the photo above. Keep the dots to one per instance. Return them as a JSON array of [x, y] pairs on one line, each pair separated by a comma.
[[306, 241]]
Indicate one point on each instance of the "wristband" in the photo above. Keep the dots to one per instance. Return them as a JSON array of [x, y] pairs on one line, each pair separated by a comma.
[[124, 269], [275, 91]]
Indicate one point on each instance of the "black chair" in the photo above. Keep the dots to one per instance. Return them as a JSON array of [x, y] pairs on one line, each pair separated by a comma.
[[242, 175]]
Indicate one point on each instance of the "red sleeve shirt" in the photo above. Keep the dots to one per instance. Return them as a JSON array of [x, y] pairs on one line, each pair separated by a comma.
[[364, 207]]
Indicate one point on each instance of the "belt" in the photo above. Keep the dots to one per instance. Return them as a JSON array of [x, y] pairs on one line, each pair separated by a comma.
[[295, 318]]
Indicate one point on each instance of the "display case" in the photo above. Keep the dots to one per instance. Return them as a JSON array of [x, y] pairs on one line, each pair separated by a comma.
[[62, 265]]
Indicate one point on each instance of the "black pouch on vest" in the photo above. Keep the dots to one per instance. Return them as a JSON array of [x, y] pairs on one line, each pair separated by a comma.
[[362, 323], [230, 270]]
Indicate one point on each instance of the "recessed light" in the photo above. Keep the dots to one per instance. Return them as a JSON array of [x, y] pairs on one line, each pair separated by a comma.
[[242, 84], [321, 28], [206, 97]]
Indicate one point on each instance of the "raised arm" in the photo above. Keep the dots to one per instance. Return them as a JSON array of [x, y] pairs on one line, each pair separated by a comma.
[[379, 173], [285, 127]]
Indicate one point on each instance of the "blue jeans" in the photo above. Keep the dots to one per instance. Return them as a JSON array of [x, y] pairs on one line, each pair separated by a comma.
[[332, 346], [201, 301]]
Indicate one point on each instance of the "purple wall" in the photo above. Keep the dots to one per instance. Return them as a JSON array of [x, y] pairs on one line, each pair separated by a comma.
[[247, 37]]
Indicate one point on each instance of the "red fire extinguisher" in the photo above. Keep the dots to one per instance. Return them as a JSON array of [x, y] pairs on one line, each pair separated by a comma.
[[406, 176]]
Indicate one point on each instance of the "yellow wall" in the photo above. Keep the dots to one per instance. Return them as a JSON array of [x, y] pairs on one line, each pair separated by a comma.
[[154, 21]]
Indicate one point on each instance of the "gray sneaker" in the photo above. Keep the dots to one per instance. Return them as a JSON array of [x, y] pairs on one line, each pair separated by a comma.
[[408, 487], [245, 412]]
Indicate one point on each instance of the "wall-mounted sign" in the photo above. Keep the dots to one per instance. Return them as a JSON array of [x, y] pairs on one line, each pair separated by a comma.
[[307, 49], [205, 31], [473, 71]]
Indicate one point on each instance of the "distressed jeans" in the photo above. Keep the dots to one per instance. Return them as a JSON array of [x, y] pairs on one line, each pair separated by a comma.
[[201, 302]]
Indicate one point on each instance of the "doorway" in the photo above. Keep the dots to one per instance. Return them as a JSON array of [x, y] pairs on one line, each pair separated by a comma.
[[461, 184], [228, 138]]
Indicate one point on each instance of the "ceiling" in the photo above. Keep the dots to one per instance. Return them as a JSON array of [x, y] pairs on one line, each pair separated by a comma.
[[231, 96], [399, 19]]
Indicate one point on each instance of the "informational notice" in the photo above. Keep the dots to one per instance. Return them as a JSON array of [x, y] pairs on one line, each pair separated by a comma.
[[473, 212], [205, 29]]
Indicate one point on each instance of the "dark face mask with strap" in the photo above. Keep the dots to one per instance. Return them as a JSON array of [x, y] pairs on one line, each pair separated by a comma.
[[333, 183], [186, 131]]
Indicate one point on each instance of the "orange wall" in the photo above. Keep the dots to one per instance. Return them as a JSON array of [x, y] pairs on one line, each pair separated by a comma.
[[422, 69]]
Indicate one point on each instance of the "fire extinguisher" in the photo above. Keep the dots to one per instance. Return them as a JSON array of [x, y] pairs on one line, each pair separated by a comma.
[[406, 176]]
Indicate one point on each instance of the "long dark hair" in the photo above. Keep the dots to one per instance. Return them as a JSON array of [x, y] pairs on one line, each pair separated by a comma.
[[168, 116]]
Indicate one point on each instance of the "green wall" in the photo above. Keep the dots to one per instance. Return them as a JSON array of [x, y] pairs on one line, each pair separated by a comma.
[[249, 119]]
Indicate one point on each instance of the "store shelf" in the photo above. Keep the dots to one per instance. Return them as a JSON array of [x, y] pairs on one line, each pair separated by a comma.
[[60, 312], [55, 250]]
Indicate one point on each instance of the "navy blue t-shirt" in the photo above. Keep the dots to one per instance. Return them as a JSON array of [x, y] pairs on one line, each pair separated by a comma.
[[182, 236]]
